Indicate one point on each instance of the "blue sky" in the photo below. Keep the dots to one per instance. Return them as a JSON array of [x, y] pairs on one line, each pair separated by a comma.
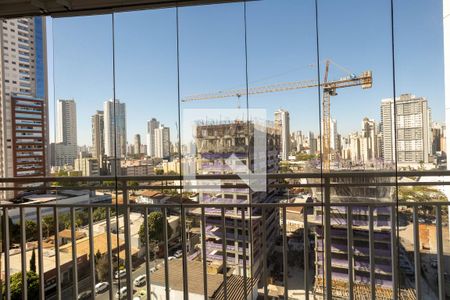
[[281, 47]]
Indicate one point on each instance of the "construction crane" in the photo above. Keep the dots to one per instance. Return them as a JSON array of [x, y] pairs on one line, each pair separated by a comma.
[[329, 89]]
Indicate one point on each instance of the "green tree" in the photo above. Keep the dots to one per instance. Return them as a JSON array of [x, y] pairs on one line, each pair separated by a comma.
[[48, 226], [155, 228], [31, 230], [102, 268], [33, 261], [32, 286], [99, 214]]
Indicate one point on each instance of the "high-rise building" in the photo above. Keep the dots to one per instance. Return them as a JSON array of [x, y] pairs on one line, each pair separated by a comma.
[[413, 129], [28, 143], [162, 142], [115, 129], [137, 144], [368, 140], [151, 126], [334, 135], [282, 124], [215, 154], [23, 93], [65, 148], [66, 122], [98, 136]]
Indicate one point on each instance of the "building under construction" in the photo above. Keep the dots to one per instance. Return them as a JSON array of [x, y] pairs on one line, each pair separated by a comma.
[[380, 226], [230, 148]]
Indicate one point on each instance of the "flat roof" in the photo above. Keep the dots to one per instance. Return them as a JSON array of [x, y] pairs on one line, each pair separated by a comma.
[[195, 278]]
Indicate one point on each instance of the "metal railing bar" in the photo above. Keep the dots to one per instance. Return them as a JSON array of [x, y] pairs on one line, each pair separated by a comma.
[[440, 255], [264, 251], [126, 226], [394, 253], [417, 263], [7, 262], [91, 252], [350, 251], [285, 254], [184, 254], [244, 252], [74, 254], [327, 229], [40, 256], [372, 256], [166, 253], [109, 249], [57, 257], [205, 273], [224, 252], [147, 253], [305, 252], [241, 177], [23, 254]]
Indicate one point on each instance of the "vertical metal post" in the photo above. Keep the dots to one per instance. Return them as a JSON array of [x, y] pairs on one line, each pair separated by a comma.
[[166, 253], [306, 252], [264, 252], [74, 254], [350, 251], [91, 250], [40, 255], [327, 238], [371, 255], [394, 253], [109, 247], [417, 263], [57, 258], [126, 227], [147, 252], [183, 249], [440, 255], [285, 255], [205, 273], [23, 254], [7, 262], [244, 251], [224, 253]]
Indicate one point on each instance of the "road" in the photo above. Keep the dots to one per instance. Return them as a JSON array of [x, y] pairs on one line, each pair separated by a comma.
[[85, 284]]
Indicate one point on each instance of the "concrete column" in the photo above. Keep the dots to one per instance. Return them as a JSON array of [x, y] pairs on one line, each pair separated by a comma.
[[446, 23]]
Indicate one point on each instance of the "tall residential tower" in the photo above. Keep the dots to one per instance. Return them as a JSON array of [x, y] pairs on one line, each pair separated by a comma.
[[23, 97]]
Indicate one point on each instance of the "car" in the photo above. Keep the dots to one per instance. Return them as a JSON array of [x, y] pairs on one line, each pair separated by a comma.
[[178, 254], [120, 274], [153, 270], [85, 295], [122, 293], [171, 258], [101, 287], [140, 280]]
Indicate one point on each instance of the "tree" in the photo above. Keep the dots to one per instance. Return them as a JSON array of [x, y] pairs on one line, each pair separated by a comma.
[[32, 286], [33, 261], [155, 228], [102, 268], [48, 225], [31, 230]]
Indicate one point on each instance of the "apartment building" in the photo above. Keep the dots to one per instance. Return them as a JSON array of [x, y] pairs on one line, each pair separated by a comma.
[[23, 98], [412, 141], [228, 148]]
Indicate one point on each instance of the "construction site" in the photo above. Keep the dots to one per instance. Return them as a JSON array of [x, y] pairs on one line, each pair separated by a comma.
[[228, 148]]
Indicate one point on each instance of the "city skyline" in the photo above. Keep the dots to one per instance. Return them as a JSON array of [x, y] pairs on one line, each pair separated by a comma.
[[153, 77]]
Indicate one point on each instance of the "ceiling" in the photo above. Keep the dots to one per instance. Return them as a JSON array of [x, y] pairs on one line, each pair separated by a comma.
[[61, 8]]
